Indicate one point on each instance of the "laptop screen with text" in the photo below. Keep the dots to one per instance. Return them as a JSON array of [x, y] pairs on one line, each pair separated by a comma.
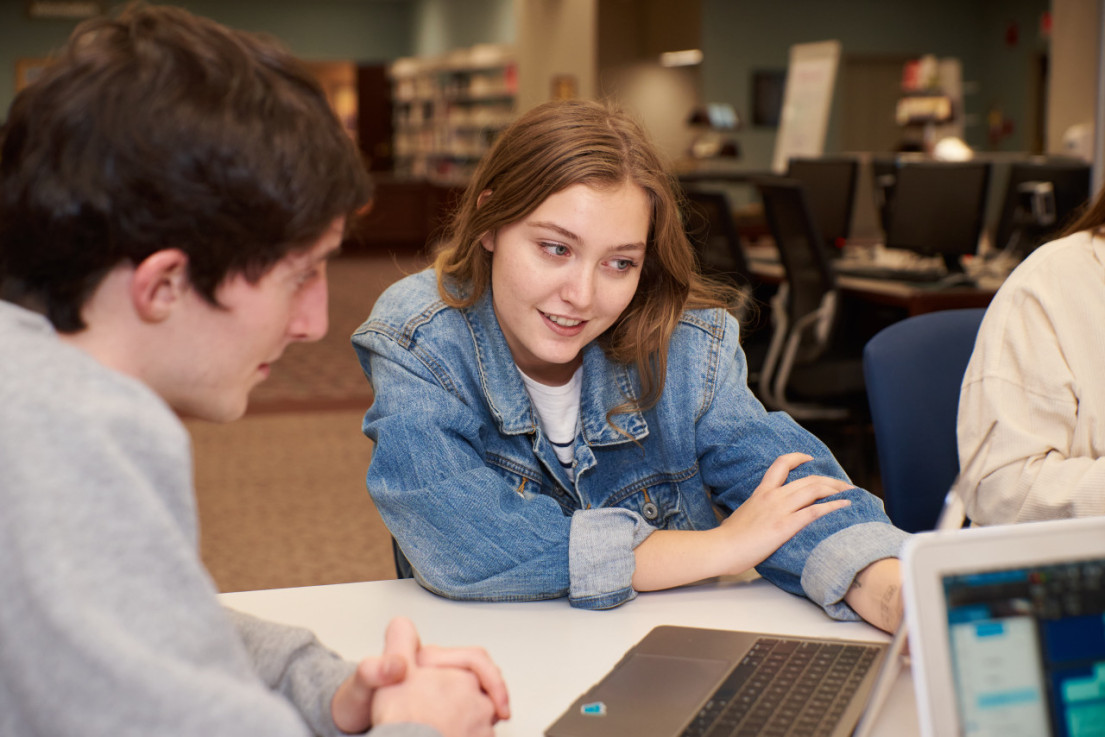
[[1028, 649]]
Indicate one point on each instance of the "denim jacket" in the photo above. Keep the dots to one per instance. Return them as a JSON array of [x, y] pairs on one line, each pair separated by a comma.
[[473, 493]]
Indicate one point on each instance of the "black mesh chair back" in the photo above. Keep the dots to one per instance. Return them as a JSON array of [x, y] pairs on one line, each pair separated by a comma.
[[805, 373], [805, 258], [830, 185], [712, 231]]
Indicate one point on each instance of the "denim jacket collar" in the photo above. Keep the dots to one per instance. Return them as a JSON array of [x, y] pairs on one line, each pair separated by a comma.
[[506, 394]]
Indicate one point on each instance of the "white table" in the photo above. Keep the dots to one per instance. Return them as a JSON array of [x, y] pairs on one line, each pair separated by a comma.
[[549, 652]]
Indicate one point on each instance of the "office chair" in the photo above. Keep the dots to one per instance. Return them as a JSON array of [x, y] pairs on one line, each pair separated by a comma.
[[712, 231], [403, 568], [830, 184], [802, 373], [914, 369]]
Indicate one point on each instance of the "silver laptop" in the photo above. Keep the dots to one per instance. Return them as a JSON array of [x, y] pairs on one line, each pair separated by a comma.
[[689, 681], [1007, 629]]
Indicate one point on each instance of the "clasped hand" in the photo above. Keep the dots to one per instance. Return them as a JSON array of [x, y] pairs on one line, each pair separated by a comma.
[[458, 691]]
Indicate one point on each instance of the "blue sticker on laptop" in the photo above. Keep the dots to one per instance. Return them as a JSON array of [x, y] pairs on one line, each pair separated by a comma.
[[594, 709]]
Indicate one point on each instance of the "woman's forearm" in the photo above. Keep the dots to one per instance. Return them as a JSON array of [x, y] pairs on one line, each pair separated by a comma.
[[669, 558], [876, 594]]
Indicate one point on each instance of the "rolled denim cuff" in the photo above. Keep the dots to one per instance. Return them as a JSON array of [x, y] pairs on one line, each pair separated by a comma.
[[600, 556], [834, 563]]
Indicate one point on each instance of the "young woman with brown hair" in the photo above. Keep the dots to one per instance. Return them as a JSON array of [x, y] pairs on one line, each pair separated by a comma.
[[561, 404]]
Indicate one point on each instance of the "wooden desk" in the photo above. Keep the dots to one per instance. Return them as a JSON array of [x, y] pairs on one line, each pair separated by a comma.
[[914, 299], [549, 652]]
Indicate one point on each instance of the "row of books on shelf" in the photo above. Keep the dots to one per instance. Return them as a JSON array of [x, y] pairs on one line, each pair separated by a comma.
[[449, 109], [456, 116]]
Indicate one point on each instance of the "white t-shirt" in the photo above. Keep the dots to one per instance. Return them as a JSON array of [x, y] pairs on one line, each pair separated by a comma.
[[558, 410]]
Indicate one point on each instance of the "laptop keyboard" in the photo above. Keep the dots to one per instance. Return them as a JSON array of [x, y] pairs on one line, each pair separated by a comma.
[[785, 687]]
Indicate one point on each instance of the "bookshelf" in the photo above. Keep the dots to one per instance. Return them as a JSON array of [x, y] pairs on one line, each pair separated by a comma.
[[448, 110]]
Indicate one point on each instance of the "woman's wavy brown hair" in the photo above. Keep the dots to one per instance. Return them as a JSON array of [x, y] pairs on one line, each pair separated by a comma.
[[1091, 217], [552, 147]]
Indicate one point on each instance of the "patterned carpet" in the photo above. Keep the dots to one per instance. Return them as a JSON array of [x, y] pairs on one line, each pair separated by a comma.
[[281, 492]]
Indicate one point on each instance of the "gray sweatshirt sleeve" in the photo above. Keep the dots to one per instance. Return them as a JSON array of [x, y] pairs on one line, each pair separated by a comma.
[[290, 660], [109, 624]]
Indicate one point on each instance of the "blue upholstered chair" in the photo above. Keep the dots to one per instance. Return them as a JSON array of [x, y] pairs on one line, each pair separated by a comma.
[[913, 370]]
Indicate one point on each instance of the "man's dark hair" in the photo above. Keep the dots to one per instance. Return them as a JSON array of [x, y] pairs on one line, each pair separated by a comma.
[[158, 129]]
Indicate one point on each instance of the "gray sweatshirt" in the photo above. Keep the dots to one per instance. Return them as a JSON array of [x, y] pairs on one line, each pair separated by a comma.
[[109, 624]]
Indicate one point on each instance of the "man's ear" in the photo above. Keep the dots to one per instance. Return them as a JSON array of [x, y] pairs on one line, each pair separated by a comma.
[[159, 283]]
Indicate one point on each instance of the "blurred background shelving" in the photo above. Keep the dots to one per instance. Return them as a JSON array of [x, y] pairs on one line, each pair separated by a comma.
[[448, 110]]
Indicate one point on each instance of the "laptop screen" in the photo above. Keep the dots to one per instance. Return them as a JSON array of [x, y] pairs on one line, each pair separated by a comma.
[[1028, 649]]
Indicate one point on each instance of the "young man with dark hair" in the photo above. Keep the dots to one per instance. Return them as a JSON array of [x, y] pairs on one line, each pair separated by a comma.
[[170, 192]]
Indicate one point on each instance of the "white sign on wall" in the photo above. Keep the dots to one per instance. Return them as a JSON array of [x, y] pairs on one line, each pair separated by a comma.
[[807, 100]]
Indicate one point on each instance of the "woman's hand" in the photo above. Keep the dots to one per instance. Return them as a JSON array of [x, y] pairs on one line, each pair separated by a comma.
[[773, 514], [777, 511]]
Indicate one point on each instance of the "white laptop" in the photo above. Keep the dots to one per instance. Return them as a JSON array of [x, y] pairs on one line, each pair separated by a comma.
[[1007, 629]]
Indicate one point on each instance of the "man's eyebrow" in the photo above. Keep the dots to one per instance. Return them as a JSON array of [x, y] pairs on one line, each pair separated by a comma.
[[328, 255], [306, 260]]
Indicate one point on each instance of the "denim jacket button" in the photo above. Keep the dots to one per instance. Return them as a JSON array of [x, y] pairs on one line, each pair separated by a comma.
[[650, 510]]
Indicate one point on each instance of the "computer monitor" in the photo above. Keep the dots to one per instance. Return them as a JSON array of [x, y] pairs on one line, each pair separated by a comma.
[[939, 209], [830, 185], [1042, 197]]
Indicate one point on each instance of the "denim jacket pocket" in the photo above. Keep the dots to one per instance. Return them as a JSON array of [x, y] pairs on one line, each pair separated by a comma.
[[527, 481], [659, 503]]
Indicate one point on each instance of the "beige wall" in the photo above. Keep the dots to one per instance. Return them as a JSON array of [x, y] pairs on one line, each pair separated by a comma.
[[662, 99], [555, 38], [1074, 73], [632, 34]]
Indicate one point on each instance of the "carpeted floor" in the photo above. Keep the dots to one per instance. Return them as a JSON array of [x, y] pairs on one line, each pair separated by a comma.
[[282, 500]]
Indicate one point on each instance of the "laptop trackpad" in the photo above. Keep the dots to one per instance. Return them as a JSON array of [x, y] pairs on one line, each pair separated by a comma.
[[654, 694]]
